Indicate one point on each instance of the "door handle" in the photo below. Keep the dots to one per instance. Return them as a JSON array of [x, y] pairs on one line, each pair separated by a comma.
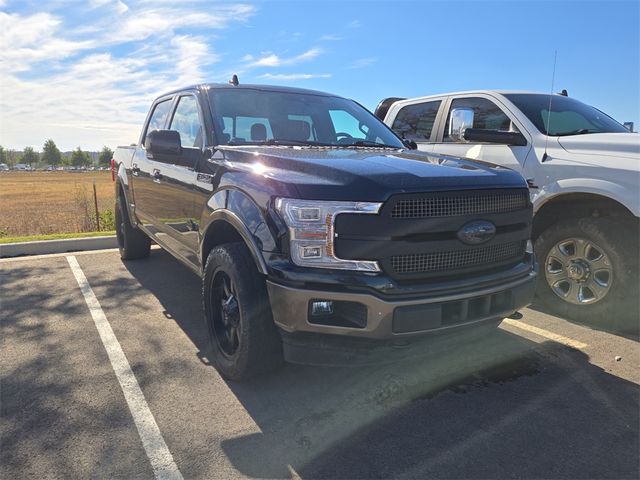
[[157, 176], [135, 170]]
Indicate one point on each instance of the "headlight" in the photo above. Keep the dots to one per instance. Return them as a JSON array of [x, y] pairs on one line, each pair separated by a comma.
[[311, 230]]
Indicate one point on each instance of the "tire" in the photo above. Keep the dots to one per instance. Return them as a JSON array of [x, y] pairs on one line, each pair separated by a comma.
[[132, 242], [244, 339], [599, 258]]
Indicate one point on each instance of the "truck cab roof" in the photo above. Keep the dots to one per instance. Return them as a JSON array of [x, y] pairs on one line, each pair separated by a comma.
[[269, 88]]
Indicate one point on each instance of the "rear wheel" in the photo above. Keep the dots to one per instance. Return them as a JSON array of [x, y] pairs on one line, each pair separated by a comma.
[[244, 339], [589, 272], [132, 242]]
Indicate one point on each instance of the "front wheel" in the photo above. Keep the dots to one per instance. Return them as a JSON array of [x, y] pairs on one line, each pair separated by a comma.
[[244, 338], [589, 272]]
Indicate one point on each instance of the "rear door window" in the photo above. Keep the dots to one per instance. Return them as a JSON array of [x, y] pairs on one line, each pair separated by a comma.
[[415, 122]]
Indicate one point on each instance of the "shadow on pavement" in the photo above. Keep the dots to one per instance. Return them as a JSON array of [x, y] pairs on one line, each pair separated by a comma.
[[47, 393], [627, 326], [474, 405]]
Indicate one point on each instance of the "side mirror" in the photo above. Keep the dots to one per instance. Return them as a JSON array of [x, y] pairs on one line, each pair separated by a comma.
[[410, 144], [495, 136], [459, 120], [163, 146]]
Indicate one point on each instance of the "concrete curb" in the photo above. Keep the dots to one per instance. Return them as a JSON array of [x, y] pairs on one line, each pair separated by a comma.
[[57, 246]]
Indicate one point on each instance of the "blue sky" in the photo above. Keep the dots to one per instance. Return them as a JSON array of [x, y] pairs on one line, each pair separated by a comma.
[[84, 73]]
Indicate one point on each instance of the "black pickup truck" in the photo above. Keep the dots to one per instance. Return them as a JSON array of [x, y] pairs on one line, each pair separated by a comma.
[[315, 228]]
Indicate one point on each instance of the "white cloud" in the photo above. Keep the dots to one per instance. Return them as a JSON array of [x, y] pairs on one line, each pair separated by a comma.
[[273, 60], [284, 77], [330, 38], [118, 5], [70, 84], [145, 23], [363, 62], [191, 52], [26, 40]]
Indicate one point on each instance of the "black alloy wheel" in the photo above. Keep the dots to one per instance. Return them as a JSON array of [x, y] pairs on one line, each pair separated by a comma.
[[226, 314]]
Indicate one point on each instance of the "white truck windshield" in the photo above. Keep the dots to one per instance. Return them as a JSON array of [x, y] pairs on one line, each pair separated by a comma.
[[568, 116]]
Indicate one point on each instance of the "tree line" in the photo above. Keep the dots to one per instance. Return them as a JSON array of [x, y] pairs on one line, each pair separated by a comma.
[[51, 155]]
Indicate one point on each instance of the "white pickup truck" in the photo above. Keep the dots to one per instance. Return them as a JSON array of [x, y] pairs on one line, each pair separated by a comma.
[[583, 170]]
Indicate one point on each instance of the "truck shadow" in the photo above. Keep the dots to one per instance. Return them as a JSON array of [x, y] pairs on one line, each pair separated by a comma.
[[473, 405]]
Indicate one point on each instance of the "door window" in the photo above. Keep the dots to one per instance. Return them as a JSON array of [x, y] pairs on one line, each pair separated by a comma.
[[486, 115], [158, 118], [186, 121], [415, 122]]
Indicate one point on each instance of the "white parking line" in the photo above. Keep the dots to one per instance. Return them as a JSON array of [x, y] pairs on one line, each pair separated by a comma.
[[154, 445], [570, 342]]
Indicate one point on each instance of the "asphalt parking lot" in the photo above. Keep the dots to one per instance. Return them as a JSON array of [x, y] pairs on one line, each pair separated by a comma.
[[539, 398]]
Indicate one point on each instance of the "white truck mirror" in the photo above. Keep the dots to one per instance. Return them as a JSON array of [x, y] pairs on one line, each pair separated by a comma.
[[459, 120]]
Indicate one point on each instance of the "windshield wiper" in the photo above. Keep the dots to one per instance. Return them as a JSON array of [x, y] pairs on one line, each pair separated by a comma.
[[280, 141], [310, 143], [369, 143], [582, 131], [271, 141]]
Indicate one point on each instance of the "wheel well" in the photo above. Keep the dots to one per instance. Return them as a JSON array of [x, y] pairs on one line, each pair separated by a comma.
[[578, 205], [120, 190], [219, 232]]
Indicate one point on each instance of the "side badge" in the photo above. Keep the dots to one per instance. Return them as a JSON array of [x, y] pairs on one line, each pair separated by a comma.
[[205, 178]]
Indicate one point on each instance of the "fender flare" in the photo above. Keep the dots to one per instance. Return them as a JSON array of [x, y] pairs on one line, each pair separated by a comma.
[[122, 183], [236, 222], [602, 188]]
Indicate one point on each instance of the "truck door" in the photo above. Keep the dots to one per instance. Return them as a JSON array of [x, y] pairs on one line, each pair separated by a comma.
[[174, 184], [487, 115], [144, 187]]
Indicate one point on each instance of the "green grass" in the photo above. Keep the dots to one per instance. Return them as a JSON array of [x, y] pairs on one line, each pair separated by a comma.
[[53, 236]]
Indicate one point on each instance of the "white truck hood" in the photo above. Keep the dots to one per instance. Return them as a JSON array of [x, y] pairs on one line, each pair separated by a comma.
[[625, 145]]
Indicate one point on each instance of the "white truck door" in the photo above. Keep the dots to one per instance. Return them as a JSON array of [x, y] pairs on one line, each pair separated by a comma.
[[487, 115], [417, 121]]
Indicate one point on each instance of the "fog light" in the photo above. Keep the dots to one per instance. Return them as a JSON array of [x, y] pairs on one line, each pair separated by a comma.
[[321, 307], [313, 251]]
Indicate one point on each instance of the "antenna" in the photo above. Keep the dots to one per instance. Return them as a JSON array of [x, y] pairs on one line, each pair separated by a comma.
[[553, 79]]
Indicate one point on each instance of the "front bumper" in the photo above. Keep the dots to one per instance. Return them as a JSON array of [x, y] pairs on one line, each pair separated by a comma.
[[389, 319]]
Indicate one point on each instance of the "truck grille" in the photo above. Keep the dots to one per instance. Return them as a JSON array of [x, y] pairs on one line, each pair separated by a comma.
[[415, 235], [457, 259], [453, 205]]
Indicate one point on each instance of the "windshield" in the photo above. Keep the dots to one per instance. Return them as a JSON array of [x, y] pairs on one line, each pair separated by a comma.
[[253, 117], [568, 116]]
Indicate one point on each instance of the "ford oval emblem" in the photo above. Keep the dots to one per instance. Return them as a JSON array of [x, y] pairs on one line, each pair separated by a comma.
[[475, 233]]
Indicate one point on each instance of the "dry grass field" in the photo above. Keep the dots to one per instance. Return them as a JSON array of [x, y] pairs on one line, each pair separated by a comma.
[[34, 203]]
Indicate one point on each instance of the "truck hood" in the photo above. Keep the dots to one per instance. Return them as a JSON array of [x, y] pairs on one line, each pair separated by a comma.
[[624, 145], [366, 174]]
